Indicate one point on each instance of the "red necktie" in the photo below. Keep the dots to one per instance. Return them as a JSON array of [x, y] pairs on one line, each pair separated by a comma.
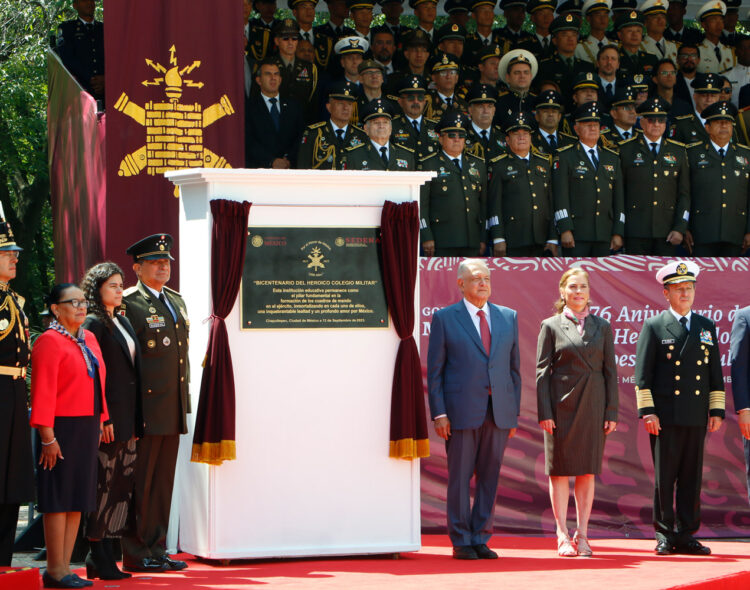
[[484, 331]]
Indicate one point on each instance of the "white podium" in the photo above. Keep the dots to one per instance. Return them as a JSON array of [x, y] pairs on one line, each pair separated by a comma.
[[312, 475]]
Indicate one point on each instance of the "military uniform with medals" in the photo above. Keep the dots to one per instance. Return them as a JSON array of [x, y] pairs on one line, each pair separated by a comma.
[[162, 330], [453, 205], [259, 39], [80, 46], [320, 149], [562, 73], [520, 199], [423, 143], [679, 382], [16, 461], [720, 192], [710, 62], [483, 143], [325, 38]]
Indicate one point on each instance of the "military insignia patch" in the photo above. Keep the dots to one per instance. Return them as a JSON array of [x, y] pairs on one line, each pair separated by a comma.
[[432, 134], [401, 163], [706, 338], [473, 171], [670, 158], [609, 167], [541, 170], [151, 343], [742, 160], [166, 341]]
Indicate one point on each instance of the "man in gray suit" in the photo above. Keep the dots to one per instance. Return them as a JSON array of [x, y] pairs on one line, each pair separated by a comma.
[[474, 387], [739, 354]]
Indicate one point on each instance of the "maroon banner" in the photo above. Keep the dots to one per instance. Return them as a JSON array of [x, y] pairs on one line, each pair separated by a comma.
[[175, 99], [76, 173], [625, 292]]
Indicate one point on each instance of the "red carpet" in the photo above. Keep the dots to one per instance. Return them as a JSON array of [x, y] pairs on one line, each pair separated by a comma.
[[525, 563]]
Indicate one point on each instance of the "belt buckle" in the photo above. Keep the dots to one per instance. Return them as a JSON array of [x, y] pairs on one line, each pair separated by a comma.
[[23, 373]]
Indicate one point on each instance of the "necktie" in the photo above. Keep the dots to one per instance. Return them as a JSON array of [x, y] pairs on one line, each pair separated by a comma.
[[485, 139], [416, 125], [306, 36], [384, 155], [163, 300], [340, 137], [608, 91], [484, 331], [337, 32], [721, 153], [486, 42], [275, 115], [654, 150], [552, 141], [457, 162], [449, 101], [717, 53], [683, 321], [600, 44], [545, 43], [660, 47], [626, 135], [594, 159]]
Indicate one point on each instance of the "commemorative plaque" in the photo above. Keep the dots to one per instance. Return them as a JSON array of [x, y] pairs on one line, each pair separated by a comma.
[[312, 277]]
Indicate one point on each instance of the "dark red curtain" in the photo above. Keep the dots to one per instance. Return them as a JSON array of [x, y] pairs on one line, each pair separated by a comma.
[[399, 226], [213, 440]]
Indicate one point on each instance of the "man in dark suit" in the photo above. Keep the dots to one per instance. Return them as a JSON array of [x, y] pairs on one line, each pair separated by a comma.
[[80, 45], [739, 356], [474, 388], [16, 461], [273, 123], [159, 317], [587, 191], [680, 393], [453, 205], [379, 153]]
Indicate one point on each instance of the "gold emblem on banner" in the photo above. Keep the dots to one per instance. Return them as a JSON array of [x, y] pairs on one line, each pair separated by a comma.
[[316, 259], [174, 131]]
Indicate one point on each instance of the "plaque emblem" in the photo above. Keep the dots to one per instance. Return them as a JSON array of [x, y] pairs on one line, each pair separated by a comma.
[[257, 241], [316, 259], [339, 241]]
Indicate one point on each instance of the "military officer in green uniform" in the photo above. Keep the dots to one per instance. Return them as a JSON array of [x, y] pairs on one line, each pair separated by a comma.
[[299, 78], [517, 70], [720, 187], [379, 153], [680, 394], [633, 58], [453, 205], [16, 462], [585, 88], [159, 317], [548, 112], [691, 128], [520, 196], [411, 128], [657, 185], [622, 112], [260, 30], [445, 96], [512, 35], [479, 40], [587, 191], [483, 139], [323, 143]]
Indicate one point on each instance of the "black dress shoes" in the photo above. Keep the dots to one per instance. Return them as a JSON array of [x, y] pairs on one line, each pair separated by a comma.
[[692, 547], [145, 565], [484, 552], [69, 581], [170, 564], [465, 553], [664, 547]]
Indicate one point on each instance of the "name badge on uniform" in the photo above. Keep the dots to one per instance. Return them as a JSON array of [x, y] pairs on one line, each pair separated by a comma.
[[668, 341], [706, 338], [155, 321], [442, 172], [638, 159]]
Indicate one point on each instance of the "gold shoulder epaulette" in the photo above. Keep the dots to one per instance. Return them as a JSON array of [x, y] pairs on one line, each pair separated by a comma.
[[172, 291], [358, 128], [541, 155], [403, 147], [432, 120], [503, 93], [611, 149], [354, 147], [470, 155], [565, 147], [692, 145], [567, 135], [680, 117], [674, 141], [742, 145], [316, 125], [427, 157], [129, 291], [629, 139], [498, 158]]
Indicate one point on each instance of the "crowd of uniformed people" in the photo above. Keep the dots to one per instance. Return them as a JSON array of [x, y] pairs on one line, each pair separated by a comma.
[[597, 127]]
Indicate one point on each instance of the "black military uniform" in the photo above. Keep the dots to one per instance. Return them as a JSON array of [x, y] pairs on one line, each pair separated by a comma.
[[657, 188], [474, 45], [259, 39], [534, 45], [162, 327], [483, 143], [640, 62], [688, 35], [690, 129], [720, 191], [506, 38], [679, 382], [368, 156], [80, 46], [453, 205], [520, 198], [320, 147], [16, 462], [588, 199], [563, 71], [326, 36], [436, 106]]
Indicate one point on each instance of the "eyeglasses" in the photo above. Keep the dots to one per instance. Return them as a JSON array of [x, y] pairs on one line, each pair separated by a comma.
[[656, 120], [415, 97], [76, 303], [668, 74], [455, 134], [446, 73], [11, 254]]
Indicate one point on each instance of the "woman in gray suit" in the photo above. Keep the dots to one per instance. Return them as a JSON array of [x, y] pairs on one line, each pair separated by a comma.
[[576, 379]]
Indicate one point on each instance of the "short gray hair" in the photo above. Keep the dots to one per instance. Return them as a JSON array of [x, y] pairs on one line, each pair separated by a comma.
[[468, 263]]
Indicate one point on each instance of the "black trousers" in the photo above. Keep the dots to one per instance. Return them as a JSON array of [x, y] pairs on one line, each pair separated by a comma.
[[649, 247], [719, 249], [152, 497], [678, 464], [588, 249], [8, 524]]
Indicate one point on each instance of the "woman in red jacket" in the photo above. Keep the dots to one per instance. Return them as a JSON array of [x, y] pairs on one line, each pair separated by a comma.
[[68, 409]]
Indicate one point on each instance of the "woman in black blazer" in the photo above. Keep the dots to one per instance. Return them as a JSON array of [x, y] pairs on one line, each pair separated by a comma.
[[103, 286]]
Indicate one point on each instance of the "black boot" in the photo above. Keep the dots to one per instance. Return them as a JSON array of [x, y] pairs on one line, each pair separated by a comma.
[[109, 549], [98, 563]]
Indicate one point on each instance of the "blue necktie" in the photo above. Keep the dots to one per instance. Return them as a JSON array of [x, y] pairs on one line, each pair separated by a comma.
[[594, 159], [275, 115]]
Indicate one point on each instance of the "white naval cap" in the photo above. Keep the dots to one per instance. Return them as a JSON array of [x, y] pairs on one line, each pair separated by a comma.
[[679, 271]]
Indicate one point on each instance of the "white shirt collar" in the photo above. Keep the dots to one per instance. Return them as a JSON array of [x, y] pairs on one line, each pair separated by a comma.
[[479, 129], [677, 316], [154, 291], [377, 146], [649, 142], [267, 100], [717, 147], [587, 148], [451, 158], [445, 98], [473, 309], [418, 120], [622, 131], [335, 127]]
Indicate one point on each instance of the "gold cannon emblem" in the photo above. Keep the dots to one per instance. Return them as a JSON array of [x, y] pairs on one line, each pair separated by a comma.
[[174, 131]]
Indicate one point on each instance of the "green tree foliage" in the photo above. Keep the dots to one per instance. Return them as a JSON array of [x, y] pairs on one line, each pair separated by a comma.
[[25, 29]]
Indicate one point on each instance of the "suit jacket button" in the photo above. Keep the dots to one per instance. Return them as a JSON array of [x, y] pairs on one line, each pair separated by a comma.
[[677, 392]]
